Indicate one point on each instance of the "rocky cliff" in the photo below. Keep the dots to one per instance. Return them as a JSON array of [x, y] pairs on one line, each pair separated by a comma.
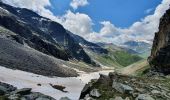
[[160, 53]]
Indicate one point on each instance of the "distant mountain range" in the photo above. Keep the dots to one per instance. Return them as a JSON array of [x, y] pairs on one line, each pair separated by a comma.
[[142, 48]]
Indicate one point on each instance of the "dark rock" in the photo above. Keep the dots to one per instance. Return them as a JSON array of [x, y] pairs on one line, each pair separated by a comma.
[[59, 87], [8, 87], [3, 90], [160, 53], [86, 90], [23, 91], [39, 84], [65, 98]]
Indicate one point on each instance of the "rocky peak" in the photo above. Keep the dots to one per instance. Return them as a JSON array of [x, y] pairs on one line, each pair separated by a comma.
[[160, 53]]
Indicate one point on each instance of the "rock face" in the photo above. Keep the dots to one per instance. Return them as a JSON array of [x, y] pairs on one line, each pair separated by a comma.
[[160, 53]]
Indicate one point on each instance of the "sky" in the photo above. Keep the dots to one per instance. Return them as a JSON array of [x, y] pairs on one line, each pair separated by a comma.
[[111, 21]]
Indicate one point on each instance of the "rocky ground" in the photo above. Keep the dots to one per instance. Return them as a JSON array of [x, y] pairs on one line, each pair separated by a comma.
[[121, 87], [8, 92]]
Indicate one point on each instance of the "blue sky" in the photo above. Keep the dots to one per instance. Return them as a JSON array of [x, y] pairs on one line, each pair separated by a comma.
[[122, 13], [111, 21]]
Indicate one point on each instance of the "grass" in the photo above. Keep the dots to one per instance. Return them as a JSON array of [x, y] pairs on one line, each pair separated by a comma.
[[117, 59], [125, 59], [143, 71]]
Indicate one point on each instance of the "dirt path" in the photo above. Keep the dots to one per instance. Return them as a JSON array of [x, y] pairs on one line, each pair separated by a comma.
[[131, 69]]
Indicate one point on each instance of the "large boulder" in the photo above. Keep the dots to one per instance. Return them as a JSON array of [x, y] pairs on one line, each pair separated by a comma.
[[144, 97], [3, 90], [122, 88], [95, 93]]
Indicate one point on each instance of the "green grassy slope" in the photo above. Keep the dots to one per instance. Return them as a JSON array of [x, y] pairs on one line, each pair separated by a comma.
[[115, 58]]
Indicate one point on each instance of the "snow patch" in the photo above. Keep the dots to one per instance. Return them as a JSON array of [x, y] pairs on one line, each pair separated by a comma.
[[74, 85]]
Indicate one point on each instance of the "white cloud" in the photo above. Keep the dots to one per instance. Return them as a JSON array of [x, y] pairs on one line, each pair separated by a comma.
[[78, 23], [108, 29], [141, 30], [77, 3], [35, 5], [81, 24]]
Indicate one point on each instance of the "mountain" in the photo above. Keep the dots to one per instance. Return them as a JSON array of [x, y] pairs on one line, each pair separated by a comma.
[[32, 43], [160, 53], [89, 45], [142, 48], [37, 44], [117, 48], [41, 34], [116, 57]]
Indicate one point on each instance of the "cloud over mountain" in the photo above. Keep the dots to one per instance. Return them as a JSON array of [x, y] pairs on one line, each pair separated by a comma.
[[81, 24]]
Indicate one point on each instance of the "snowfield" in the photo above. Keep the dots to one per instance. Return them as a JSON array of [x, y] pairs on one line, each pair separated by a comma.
[[74, 85]]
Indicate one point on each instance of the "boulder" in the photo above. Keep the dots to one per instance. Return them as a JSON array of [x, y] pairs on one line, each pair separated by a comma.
[[3, 90], [37, 95], [95, 93], [155, 92], [144, 97], [118, 98], [122, 88], [14, 97], [87, 97]]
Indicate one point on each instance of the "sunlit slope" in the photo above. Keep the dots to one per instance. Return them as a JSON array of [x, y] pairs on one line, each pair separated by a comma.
[[114, 58], [135, 68]]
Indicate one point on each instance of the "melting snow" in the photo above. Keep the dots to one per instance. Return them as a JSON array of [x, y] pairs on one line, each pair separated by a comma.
[[74, 85]]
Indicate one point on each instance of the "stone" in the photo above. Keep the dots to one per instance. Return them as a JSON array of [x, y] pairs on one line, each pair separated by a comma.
[[122, 88], [127, 98], [3, 90], [23, 91], [87, 97], [118, 98], [65, 98], [144, 97], [140, 90], [155, 92], [14, 97], [35, 95], [59, 87], [95, 93]]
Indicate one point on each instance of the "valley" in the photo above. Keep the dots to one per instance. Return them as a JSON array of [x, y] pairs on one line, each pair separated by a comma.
[[41, 59]]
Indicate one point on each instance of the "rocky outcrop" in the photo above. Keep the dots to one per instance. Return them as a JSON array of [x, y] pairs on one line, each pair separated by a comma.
[[8, 92], [120, 87], [160, 53]]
